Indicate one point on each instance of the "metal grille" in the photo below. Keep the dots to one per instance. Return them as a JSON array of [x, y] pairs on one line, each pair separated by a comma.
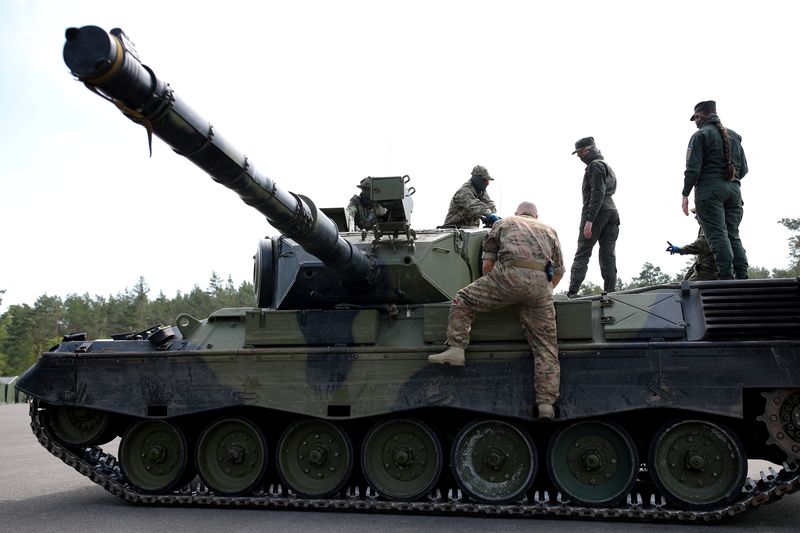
[[753, 309]]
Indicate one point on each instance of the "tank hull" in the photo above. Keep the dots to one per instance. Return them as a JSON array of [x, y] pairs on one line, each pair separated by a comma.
[[632, 382]]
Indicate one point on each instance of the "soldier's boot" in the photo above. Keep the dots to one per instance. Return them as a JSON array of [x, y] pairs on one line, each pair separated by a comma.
[[546, 411], [725, 276], [452, 356]]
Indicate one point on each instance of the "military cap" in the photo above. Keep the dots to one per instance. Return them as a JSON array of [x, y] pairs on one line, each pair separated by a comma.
[[481, 172], [364, 184], [707, 107], [583, 143]]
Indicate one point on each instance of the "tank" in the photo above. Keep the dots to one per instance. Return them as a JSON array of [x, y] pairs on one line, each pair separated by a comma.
[[320, 396]]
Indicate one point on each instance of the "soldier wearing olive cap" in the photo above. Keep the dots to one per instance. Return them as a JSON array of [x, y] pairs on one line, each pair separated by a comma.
[[599, 218], [715, 165], [471, 203]]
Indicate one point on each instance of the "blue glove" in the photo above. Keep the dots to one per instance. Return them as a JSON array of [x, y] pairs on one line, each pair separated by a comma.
[[491, 218], [672, 249]]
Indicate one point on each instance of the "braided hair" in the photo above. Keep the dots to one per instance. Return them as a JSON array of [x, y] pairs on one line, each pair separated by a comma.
[[726, 150]]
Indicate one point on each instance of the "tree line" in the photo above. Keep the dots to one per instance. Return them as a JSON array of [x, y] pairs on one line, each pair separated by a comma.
[[27, 331]]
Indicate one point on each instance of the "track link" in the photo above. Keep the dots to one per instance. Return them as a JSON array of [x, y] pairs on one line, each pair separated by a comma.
[[103, 469]]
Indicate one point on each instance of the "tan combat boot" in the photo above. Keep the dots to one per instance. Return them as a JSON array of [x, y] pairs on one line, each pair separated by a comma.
[[546, 411], [453, 356]]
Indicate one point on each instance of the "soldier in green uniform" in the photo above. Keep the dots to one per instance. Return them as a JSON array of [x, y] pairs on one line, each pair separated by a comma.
[[362, 210], [715, 164], [471, 203], [704, 266], [599, 219], [522, 263]]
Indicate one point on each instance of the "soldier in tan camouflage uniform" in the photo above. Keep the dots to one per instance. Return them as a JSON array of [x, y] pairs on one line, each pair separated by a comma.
[[704, 266], [471, 203], [522, 263]]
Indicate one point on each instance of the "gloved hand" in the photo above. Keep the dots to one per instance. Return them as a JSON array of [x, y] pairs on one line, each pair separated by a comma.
[[672, 249], [491, 218]]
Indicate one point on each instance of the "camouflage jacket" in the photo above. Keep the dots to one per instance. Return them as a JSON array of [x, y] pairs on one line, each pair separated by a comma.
[[365, 217], [468, 206], [705, 266], [705, 161], [599, 185], [523, 238]]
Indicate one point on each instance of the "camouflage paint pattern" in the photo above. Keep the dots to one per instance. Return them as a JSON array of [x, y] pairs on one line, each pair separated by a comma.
[[610, 355]]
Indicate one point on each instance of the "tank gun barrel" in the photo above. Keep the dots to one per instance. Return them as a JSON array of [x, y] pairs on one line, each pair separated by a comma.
[[109, 65]]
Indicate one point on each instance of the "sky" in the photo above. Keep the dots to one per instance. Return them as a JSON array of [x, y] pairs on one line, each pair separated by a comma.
[[320, 94]]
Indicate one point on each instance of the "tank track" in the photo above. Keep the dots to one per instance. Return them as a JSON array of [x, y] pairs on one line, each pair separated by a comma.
[[103, 469]]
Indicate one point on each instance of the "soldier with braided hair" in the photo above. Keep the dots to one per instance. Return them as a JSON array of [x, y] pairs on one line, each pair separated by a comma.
[[715, 165]]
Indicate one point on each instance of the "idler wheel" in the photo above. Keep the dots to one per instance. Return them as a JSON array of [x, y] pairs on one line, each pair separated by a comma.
[[402, 459], [493, 461], [79, 426], [231, 456], [698, 465], [153, 456], [315, 458], [594, 463]]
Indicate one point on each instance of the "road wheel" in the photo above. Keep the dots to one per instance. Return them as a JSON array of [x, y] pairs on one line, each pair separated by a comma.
[[402, 459]]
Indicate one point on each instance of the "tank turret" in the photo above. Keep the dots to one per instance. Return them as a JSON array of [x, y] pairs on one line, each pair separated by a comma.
[[310, 264]]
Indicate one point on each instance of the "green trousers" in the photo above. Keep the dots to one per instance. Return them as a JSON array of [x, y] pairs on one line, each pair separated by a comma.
[[720, 211]]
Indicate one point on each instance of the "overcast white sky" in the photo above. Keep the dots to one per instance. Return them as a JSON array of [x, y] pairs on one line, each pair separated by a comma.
[[320, 94]]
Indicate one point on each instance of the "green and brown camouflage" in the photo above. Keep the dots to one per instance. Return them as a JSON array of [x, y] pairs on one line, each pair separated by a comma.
[[324, 385]]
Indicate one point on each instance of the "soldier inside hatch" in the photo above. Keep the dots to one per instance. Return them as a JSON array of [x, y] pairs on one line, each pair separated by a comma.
[[362, 212]]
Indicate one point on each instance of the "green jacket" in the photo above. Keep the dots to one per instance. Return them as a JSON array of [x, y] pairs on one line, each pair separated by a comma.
[[599, 185], [705, 162]]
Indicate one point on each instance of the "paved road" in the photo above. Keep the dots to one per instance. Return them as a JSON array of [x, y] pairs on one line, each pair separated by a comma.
[[38, 493]]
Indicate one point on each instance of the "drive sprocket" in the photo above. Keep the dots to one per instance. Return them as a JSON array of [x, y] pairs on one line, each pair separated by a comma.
[[782, 418]]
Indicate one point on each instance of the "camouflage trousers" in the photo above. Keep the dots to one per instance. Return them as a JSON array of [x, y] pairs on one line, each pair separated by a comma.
[[531, 291], [701, 272]]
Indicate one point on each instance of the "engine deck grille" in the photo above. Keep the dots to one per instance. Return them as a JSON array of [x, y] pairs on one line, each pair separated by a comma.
[[753, 309]]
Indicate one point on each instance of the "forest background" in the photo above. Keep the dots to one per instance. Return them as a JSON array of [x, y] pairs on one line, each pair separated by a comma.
[[26, 331]]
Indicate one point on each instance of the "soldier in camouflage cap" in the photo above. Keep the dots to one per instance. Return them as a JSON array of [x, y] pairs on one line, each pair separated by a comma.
[[522, 263], [471, 203], [362, 210]]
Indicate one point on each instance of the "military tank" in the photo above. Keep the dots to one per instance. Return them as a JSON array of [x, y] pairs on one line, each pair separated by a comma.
[[321, 396]]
